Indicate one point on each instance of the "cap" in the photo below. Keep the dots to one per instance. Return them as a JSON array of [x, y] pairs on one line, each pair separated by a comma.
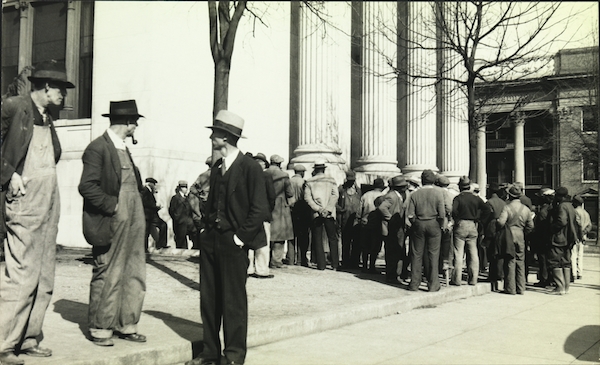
[[151, 180], [182, 183]]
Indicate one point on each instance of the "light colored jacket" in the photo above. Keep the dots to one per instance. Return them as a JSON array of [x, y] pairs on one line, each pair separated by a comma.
[[321, 193]]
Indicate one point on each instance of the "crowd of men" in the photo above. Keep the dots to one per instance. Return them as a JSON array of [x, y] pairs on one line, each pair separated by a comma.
[[247, 215]]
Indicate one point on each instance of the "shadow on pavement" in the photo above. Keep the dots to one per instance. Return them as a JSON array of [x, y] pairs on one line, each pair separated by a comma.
[[177, 276], [186, 329], [73, 312], [573, 344]]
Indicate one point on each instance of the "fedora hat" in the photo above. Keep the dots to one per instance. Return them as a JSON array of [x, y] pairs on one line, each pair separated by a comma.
[[228, 122], [124, 108], [262, 157], [398, 180], [378, 183], [319, 164], [464, 182], [515, 191], [350, 175], [51, 70]]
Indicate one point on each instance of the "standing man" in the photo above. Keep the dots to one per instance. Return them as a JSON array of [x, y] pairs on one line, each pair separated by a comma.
[[426, 215], [543, 236], [392, 210], [584, 225], [281, 224], [114, 224], [301, 217], [370, 222], [347, 207], [564, 236], [467, 211], [180, 211], [30, 150], [236, 209], [495, 206], [321, 194], [155, 226]]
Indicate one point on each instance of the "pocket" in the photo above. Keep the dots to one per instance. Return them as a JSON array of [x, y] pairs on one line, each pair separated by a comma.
[[97, 229]]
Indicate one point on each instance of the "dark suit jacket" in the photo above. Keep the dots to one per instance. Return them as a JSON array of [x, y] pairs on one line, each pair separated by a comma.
[[149, 203], [246, 199], [180, 210], [100, 185]]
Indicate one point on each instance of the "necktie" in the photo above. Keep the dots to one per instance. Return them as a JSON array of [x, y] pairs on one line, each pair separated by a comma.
[[223, 169]]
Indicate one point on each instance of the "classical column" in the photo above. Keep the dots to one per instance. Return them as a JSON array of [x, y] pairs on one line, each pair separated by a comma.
[[421, 115], [452, 114], [519, 122], [378, 98], [317, 101]]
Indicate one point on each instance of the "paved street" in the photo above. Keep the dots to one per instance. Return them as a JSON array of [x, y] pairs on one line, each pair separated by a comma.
[[535, 328]]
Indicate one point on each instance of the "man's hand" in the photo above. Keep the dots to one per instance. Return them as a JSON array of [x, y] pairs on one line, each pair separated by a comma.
[[17, 184]]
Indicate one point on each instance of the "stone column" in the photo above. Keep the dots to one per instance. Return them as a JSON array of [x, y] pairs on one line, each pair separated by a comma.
[[25, 38], [378, 96], [421, 118], [452, 113], [519, 122], [318, 103]]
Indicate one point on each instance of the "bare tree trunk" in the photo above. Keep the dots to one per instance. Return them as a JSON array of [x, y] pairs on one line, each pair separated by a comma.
[[221, 91]]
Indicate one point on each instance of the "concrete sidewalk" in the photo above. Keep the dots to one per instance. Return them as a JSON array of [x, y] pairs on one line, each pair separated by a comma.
[[298, 301]]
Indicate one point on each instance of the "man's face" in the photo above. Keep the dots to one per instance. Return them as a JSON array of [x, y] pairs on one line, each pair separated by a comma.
[[55, 93], [152, 187], [131, 128], [183, 189], [218, 138]]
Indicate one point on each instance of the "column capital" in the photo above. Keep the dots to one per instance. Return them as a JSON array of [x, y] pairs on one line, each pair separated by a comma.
[[518, 118]]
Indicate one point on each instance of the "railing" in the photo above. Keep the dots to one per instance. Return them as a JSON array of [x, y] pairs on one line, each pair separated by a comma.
[[496, 143]]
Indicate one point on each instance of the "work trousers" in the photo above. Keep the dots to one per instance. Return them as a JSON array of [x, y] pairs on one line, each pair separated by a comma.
[[577, 259], [118, 285], [465, 236], [427, 235], [157, 228], [514, 271], [328, 224], [395, 255], [350, 233], [223, 296], [259, 258], [301, 223], [27, 282]]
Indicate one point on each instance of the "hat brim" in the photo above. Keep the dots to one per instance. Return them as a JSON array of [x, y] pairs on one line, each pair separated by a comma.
[[239, 135], [66, 84], [123, 115]]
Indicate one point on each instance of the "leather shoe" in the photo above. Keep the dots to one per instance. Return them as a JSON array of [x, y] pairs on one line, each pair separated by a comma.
[[37, 351], [104, 342], [270, 276], [9, 358], [200, 361], [135, 337]]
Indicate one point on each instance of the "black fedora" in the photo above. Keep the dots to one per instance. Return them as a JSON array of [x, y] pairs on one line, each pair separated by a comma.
[[125, 108], [52, 71]]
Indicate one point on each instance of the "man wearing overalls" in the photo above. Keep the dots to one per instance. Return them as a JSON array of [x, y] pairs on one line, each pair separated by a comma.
[[30, 151]]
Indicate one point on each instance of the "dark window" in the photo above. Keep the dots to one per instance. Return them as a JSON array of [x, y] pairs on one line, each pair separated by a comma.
[[590, 120], [10, 46], [590, 169]]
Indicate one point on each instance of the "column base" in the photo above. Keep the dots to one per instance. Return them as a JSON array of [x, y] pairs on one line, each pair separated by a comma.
[[454, 176], [417, 170], [307, 155]]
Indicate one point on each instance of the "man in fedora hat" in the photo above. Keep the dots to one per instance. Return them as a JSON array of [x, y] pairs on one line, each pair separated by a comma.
[[392, 209], [370, 226], [29, 153], [468, 210], [321, 194], [180, 211], [259, 258], [115, 225], [281, 224], [517, 217], [155, 226], [235, 212], [347, 207], [301, 218]]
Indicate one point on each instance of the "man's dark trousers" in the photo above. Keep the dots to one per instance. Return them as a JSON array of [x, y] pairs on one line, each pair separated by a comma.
[[427, 236], [394, 252], [350, 244], [301, 223], [157, 228], [317, 246], [221, 258]]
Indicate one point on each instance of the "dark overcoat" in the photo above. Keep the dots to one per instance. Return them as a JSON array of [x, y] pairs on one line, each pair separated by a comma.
[[282, 228], [100, 185]]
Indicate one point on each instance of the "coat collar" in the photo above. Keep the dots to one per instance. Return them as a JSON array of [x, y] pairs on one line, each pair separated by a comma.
[[114, 155]]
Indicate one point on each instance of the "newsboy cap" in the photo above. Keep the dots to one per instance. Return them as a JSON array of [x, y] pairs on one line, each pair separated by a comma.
[[182, 183], [299, 167], [261, 156], [442, 180], [428, 177], [151, 180], [276, 159], [398, 180], [562, 191]]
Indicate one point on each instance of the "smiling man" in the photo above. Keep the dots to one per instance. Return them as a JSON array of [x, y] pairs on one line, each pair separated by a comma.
[[30, 151]]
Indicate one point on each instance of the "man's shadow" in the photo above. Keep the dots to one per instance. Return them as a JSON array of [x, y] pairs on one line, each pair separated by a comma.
[[186, 329], [573, 343], [74, 312]]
